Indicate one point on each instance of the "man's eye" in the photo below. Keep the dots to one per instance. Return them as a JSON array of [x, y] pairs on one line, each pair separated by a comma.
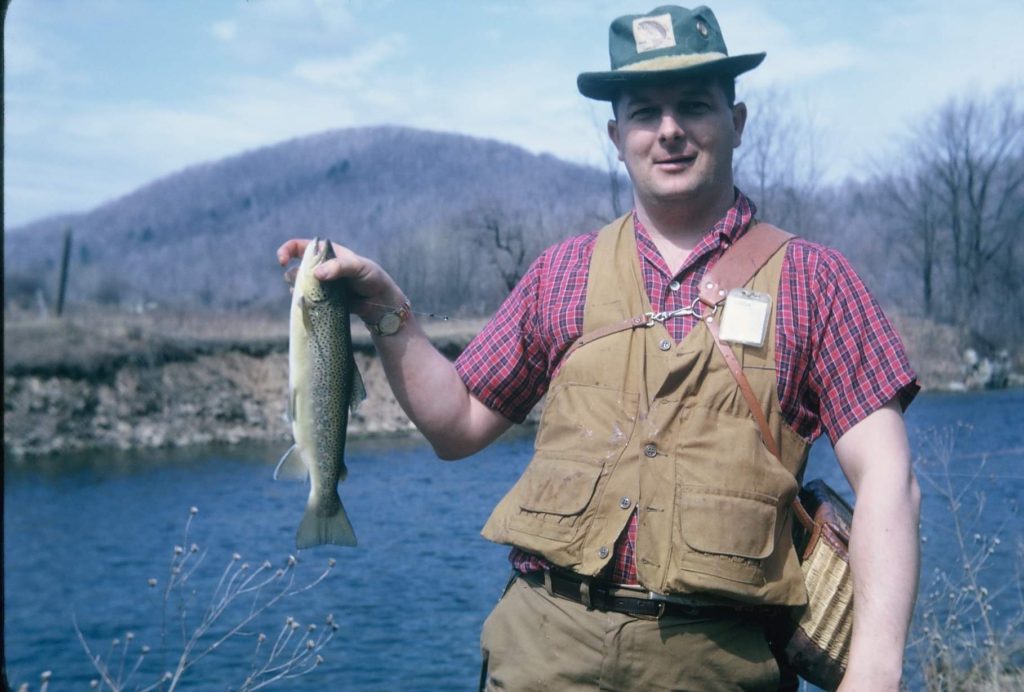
[[643, 113], [695, 107]]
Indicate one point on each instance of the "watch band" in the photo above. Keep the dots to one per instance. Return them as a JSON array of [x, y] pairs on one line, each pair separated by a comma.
[[392, 320]]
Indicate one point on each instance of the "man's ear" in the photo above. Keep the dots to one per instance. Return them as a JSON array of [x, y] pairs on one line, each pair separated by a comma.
[[739, 120], [615, 136]]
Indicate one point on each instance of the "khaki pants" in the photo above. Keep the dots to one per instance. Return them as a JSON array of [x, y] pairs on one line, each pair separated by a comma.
[[535, 641]]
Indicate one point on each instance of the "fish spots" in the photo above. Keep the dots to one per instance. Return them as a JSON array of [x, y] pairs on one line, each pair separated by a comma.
[[321, 375]]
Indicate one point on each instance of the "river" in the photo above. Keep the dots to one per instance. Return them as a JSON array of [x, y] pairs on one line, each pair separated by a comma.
[[84, 535]]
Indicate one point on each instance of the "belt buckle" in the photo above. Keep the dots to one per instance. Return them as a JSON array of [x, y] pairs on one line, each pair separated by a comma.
[[585, 594], [655, 616]]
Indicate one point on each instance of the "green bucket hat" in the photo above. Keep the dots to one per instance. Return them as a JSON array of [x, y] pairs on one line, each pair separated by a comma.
[[667, 44]]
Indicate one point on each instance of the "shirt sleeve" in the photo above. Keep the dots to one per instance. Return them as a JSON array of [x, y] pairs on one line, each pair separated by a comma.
[[505, 365], [857, 361]]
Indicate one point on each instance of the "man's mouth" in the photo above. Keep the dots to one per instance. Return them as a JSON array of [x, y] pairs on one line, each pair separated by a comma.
[[680, 160]]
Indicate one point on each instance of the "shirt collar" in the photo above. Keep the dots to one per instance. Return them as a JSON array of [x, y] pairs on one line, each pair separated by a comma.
[[726, 231]]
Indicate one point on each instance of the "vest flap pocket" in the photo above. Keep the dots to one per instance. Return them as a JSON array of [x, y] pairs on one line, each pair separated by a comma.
[[557, 486], [723, 523], [550, 500]]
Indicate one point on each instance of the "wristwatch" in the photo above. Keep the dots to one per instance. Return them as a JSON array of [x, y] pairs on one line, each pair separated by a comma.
[[392, 320]]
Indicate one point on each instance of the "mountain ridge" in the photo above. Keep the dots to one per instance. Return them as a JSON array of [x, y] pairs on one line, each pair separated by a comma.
[[204, 236]]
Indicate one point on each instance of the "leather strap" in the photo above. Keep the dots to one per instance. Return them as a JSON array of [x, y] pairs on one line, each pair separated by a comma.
[[733, 270], [607, 330], [748, 393], [740, 262]]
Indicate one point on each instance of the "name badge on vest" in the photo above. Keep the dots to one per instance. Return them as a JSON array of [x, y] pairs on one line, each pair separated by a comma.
[[745, 317]]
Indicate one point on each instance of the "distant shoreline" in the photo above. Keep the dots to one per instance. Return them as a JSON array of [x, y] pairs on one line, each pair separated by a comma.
[[130, 382]]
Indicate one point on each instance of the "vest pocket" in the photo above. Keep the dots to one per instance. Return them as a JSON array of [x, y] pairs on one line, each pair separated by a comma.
[[551, 496], [728, 533]]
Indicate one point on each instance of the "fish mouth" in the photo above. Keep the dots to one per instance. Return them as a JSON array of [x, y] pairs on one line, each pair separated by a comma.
[[323, 253]]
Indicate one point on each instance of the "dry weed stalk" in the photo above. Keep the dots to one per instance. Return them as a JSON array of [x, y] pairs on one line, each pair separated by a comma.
[[243, 592], [961, 643]]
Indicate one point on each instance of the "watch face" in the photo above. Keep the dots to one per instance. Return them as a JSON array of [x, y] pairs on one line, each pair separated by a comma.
[[389, 323]]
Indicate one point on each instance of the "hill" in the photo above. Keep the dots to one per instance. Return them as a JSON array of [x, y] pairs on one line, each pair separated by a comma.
[[432, 207]]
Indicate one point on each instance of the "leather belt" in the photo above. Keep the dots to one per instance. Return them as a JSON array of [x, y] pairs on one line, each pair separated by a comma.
[[597, 594]]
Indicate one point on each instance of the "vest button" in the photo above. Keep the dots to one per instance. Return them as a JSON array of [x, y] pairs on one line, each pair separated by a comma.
[[602, 552], [650, 450], [625, 503], [665, 345]]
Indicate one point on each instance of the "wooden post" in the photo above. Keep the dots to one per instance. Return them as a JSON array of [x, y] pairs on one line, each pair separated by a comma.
[[61, 290]]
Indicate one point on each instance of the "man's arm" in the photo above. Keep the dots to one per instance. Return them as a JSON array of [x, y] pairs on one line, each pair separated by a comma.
[[425, 383], [884, 546]]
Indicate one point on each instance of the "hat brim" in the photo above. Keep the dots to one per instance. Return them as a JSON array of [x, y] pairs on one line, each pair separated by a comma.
[[605, 86]]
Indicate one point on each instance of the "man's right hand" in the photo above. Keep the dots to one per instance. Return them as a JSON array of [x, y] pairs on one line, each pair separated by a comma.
[[374, 288]]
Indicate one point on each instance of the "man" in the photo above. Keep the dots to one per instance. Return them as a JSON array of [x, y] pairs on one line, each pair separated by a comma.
[[650, 532]]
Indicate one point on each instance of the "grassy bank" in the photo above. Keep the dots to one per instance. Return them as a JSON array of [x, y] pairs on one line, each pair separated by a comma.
[[96, 343]]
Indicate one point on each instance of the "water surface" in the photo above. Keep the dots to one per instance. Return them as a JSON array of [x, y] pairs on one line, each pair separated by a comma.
[[82, 535]]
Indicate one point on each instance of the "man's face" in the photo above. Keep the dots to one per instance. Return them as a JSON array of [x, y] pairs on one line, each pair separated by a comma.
[[677, 141]]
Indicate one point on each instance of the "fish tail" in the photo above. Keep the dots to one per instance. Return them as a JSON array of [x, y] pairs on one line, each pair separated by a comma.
[[318, 528]]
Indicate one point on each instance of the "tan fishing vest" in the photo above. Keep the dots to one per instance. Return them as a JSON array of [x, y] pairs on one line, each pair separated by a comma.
[[634, 421]]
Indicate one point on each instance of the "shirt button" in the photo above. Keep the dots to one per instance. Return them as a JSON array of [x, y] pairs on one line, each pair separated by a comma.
[[625, 503], [650, 451], [665, 345], [674, 286], [602, 552]]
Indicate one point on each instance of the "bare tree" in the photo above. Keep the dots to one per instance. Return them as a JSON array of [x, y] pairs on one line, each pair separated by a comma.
[[911, 203], [977, 150], [617, 187], [501, 236], [958, 204], [777, 160]]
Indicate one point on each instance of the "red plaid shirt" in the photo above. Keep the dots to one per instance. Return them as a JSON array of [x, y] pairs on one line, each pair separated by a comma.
[[838, 357]]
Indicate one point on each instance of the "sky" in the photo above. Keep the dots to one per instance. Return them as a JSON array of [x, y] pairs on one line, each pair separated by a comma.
[[104, 96]]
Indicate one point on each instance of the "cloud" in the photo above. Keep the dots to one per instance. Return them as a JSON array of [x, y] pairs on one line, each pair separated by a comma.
[[351, 70], [795, 53], [225, 30]]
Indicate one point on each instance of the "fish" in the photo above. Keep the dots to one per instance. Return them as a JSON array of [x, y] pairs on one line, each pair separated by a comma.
[[323, 384]]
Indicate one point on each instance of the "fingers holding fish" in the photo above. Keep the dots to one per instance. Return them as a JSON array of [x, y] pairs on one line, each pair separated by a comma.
[[295, 248], [292, 249], [370, 286]]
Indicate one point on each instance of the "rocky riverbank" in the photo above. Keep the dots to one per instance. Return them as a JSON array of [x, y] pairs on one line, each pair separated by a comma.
[[146, 382], [105, 381]]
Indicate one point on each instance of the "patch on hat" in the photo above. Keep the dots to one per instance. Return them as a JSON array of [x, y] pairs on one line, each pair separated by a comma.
[[652, 33]]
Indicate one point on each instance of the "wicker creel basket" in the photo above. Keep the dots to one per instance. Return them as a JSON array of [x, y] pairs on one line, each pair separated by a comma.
[[818, 646]]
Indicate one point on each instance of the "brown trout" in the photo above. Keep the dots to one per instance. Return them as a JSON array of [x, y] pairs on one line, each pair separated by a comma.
[[323, 384]]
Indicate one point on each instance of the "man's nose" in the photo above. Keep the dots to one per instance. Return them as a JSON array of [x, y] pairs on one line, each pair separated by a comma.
[[670, 129]]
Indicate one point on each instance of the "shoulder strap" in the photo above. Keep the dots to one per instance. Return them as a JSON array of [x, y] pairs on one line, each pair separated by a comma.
[[735, 268], [741, 261]]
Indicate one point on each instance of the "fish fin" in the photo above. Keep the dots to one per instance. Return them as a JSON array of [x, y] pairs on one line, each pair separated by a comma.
[[291, 470], [306, 324], [316, 529], [292, 392], [358, 388]]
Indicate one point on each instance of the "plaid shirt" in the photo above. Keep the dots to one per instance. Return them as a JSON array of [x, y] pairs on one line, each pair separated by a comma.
[[838, 357]]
